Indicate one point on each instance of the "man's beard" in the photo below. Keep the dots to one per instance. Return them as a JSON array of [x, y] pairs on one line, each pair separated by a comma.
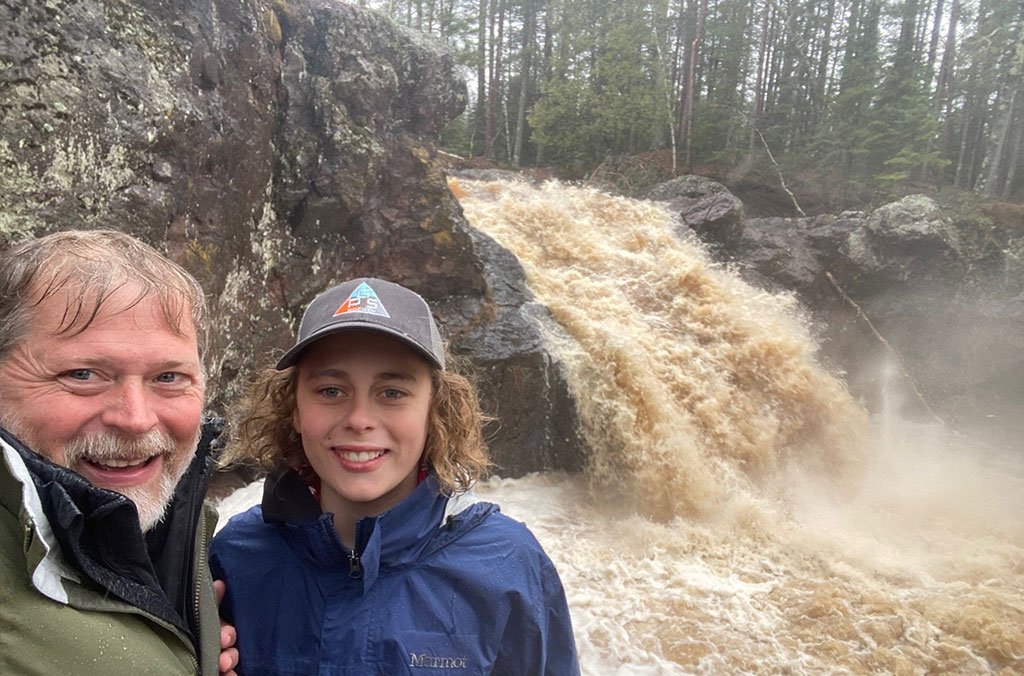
[[150, 504]]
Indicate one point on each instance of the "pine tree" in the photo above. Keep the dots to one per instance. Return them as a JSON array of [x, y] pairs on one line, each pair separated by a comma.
[[902, 129]]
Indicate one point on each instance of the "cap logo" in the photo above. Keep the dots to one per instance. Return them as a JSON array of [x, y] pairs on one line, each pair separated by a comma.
[[364, 299]]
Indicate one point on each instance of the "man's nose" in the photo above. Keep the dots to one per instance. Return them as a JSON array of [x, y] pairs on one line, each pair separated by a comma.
[[130, 409]]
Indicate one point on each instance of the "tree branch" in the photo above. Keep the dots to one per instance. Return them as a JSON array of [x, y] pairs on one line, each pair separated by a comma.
[[888, 346], [778, 169]]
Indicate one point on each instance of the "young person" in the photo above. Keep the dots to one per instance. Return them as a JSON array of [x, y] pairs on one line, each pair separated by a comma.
[[369, 554]]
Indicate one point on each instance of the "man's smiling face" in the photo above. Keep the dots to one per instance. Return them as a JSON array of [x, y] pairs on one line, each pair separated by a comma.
[[120, 402]]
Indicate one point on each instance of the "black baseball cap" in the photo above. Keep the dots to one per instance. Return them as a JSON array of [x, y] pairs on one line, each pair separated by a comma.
[[368, 304]]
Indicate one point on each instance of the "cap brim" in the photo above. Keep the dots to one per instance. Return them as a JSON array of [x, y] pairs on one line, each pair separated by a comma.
[[292, 356]]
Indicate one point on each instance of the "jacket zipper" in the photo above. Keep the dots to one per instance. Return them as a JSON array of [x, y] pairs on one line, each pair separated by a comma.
[[355, 567], [197, 591]]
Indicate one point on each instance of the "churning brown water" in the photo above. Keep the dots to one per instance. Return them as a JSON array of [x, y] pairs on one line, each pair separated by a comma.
[[741, 513]]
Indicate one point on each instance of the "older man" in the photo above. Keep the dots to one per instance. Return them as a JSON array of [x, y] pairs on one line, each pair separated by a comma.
[[103, 531]]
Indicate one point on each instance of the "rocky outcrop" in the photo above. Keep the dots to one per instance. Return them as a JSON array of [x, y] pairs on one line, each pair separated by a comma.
[[520, 375], [273, 147], [906, 245], [704, 206], [946, 299]]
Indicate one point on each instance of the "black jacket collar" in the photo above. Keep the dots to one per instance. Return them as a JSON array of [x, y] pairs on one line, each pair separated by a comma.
[[287, 498], [99, 534]]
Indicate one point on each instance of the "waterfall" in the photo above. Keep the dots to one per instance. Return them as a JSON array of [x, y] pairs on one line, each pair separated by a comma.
[[690, 382], [740, 513]]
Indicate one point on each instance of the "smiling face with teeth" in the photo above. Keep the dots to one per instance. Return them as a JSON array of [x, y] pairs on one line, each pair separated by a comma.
[[362, 402], [119, 402]]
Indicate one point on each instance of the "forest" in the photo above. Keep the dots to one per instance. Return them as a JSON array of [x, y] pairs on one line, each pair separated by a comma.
[[875, 97]]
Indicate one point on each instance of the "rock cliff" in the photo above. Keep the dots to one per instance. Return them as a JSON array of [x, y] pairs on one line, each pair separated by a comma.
[[273, 148]]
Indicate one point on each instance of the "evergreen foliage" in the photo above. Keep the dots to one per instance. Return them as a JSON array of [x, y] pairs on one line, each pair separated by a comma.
[[876, 94]]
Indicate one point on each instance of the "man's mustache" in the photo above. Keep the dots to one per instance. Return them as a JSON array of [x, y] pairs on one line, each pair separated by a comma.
[[106, 446]]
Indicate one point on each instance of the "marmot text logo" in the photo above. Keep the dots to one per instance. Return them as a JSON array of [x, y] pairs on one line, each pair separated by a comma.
[[432, 662]]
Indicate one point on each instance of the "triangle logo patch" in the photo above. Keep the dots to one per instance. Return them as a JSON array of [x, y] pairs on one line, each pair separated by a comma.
[[364, 299]]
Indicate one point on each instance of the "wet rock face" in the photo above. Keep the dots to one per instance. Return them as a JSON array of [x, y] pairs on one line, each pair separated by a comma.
[[903, 247], [273, 147], [704, 206], [949, 308], [121, 115], [518, 374]]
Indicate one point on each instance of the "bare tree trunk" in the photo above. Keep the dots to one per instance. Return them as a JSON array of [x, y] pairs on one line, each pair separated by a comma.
[[481, 77], [498, 66], [524, 78], [1015, 161], [549, 19], [687, 30], [762, 63], [820, 102], [678, 42], [933, 43], [494, 61], [773, 72], [945, 83], [850, 52], [846, 81], [975, 114], [958, 173], [921, 21], [508, 132], [1010, 153], [659, 19], [994, 180], [691, 83]]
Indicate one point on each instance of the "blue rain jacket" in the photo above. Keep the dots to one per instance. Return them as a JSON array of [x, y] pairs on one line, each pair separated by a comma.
[[435, 586]]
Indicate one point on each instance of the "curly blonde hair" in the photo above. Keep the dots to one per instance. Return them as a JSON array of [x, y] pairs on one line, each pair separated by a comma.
[[455, 447]]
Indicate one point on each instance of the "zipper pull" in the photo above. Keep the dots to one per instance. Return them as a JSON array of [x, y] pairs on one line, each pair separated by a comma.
[[355, 570]]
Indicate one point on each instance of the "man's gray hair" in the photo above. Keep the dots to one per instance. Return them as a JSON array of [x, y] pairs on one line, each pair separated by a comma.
[[91, 265]]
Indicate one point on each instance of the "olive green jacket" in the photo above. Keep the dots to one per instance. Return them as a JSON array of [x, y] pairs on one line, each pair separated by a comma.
[[56, 621]]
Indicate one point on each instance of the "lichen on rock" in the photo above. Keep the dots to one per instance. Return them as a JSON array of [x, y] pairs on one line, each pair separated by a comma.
[[273, 147]]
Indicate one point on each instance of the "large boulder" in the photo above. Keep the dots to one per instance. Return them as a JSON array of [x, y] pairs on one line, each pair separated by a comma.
[[704, 206], [905, 248], [273, 147], [906, 243]]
